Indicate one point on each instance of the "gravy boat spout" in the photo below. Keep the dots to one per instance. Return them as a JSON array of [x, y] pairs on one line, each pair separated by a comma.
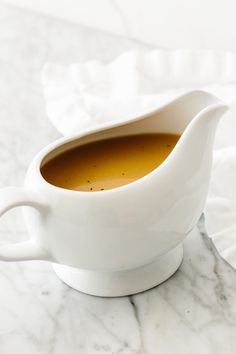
[[181, 183]]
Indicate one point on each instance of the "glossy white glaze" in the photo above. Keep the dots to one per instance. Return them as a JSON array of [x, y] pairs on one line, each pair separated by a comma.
[[133, 225]]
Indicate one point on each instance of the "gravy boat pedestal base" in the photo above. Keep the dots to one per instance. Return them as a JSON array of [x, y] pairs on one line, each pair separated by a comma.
[[125, 282]]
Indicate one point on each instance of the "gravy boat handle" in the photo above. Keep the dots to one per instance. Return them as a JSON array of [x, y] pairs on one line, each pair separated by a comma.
[[10, 198]]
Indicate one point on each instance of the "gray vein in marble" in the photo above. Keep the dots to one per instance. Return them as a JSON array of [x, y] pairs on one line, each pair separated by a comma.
[[139, 324]]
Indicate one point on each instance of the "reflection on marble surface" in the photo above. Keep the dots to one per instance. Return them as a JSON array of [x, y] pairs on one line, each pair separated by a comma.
[[193, 312]]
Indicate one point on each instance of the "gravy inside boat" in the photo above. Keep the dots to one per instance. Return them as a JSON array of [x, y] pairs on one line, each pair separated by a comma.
[[109, 163]]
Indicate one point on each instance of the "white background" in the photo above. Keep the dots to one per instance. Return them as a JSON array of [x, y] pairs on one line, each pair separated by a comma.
[[168, 24]]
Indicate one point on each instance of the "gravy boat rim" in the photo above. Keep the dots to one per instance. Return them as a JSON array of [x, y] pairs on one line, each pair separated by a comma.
[[115, 124]]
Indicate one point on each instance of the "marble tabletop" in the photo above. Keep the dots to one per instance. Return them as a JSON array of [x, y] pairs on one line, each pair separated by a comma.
[[193, 312]]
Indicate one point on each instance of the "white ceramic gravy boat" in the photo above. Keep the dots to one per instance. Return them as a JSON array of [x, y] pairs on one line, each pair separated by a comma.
[[128, 239]]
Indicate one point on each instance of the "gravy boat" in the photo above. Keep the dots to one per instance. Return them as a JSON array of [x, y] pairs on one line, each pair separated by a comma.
[[127, 239]]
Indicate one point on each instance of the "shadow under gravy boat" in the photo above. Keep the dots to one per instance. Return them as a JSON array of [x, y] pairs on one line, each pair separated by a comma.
[[127, 239]]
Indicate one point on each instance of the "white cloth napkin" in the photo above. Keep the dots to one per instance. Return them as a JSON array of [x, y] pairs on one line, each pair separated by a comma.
[[82, 95]]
